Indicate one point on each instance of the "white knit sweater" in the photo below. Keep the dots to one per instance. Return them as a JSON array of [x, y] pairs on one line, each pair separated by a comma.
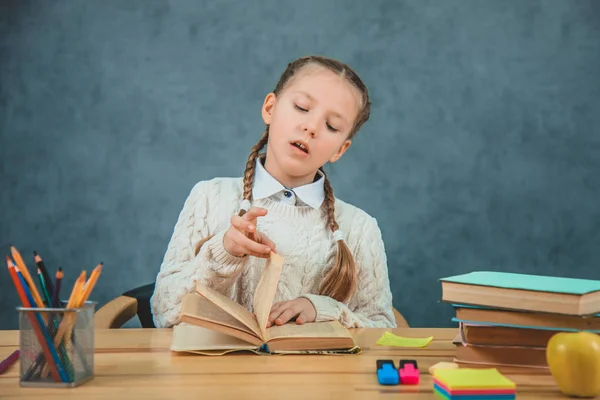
[[300, 236]]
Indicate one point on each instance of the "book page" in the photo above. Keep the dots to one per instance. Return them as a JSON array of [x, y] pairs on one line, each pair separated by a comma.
[[329, 329], [265, 291], [191, 338], [230, 307], [316, 336], [198, 307]]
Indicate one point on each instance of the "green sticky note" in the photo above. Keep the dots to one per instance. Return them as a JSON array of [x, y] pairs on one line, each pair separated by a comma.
[[389, 339]]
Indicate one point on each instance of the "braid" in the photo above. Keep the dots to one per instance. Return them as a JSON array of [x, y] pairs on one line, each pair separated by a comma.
[[248, 180], [250, 166], [329, 204], [340, 281]]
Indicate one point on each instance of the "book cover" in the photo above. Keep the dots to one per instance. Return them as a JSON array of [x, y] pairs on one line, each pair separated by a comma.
[[539, 283]]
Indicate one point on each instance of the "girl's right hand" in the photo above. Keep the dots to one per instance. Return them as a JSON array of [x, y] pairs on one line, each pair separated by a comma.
[[238, 238]]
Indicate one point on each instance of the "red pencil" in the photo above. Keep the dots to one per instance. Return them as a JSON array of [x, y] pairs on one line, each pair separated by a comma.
[[34, 323], [10, 360]]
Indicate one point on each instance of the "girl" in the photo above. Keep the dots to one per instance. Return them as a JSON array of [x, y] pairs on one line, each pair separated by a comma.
[[335, 262]]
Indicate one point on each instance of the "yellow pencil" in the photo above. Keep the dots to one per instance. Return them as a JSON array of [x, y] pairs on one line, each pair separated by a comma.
[[23, 268], [65, 323], [89, 285]]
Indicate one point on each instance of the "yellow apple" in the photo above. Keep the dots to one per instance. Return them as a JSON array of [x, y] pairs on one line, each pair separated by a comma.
[[574, 361]]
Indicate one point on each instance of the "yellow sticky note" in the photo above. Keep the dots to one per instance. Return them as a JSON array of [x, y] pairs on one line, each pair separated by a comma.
[[473, 378], [442, 365], [389, 339]]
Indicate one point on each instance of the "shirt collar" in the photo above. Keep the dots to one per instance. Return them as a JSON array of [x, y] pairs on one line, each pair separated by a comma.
[[265, 186]]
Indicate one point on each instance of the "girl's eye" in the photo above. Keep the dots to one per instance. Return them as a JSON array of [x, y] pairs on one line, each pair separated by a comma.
[[300, 108], [331, 128]]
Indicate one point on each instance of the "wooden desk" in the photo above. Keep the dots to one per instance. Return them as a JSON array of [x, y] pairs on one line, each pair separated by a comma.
[[137, 363]]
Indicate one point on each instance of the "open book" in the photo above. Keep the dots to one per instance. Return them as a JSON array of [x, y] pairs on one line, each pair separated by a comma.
[[217, 325]]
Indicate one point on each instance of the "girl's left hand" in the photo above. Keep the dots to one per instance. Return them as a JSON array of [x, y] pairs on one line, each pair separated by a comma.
[[301, 308]]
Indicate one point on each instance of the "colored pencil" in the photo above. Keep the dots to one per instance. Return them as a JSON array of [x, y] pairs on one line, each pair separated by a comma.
[[56, 291], [53, 327], [89, 285], [66, 324], [25, 301], [47, 299], [40, 263], [83, 296], [44, 330], [10, 360], [23, 269]]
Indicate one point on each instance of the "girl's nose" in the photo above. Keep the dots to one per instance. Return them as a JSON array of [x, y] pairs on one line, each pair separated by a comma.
[[310, 127]]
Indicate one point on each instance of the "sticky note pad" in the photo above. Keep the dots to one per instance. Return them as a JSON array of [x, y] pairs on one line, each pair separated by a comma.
[[473, 378], [479, 395], [465, 383], [389, 339]]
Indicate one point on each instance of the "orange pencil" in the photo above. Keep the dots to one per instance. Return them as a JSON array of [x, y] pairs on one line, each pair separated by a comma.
[[89, 285], [75, 293], [34, 323], [85, 294], [23, 268]]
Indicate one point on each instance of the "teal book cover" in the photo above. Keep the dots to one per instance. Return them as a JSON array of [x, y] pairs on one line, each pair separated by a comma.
[[539, 283]]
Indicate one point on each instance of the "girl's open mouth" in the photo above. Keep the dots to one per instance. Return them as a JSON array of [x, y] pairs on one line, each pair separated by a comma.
[[301, 146]]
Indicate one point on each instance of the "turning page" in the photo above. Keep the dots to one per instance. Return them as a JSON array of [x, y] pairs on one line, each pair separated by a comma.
[[265, 291]]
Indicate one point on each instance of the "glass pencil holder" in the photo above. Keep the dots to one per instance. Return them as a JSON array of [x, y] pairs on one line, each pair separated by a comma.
[[56, 346]]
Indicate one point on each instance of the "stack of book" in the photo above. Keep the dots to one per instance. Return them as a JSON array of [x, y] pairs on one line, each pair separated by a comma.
[[506, 319]]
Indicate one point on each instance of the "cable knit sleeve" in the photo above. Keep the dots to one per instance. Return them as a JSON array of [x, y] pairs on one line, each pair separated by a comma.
[[371, 306], [181, 268]]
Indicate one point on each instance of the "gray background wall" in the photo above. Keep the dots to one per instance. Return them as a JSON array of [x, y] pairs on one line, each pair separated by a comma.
[[483, 150]]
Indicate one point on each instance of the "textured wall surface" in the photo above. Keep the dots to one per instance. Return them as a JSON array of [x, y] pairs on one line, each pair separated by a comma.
[[482, 152]]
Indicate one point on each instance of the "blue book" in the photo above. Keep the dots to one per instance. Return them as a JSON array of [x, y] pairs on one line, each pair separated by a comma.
[[523, 292]]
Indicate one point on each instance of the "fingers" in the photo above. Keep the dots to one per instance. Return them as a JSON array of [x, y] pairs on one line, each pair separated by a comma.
[[282, 312], [254, 212], [245, 236], [262, 238], [244, 245], [302, 318], [276, 311], [247, 221], [287, 314], [241, 224]]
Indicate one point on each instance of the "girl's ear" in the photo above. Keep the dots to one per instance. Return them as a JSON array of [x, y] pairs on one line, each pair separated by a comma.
[[341, 151], [267, 108]]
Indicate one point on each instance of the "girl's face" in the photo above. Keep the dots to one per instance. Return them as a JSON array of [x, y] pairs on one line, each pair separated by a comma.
[[309, 123]]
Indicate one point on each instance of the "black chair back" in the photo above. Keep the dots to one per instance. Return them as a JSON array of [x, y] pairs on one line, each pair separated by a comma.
[[143, 294]]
